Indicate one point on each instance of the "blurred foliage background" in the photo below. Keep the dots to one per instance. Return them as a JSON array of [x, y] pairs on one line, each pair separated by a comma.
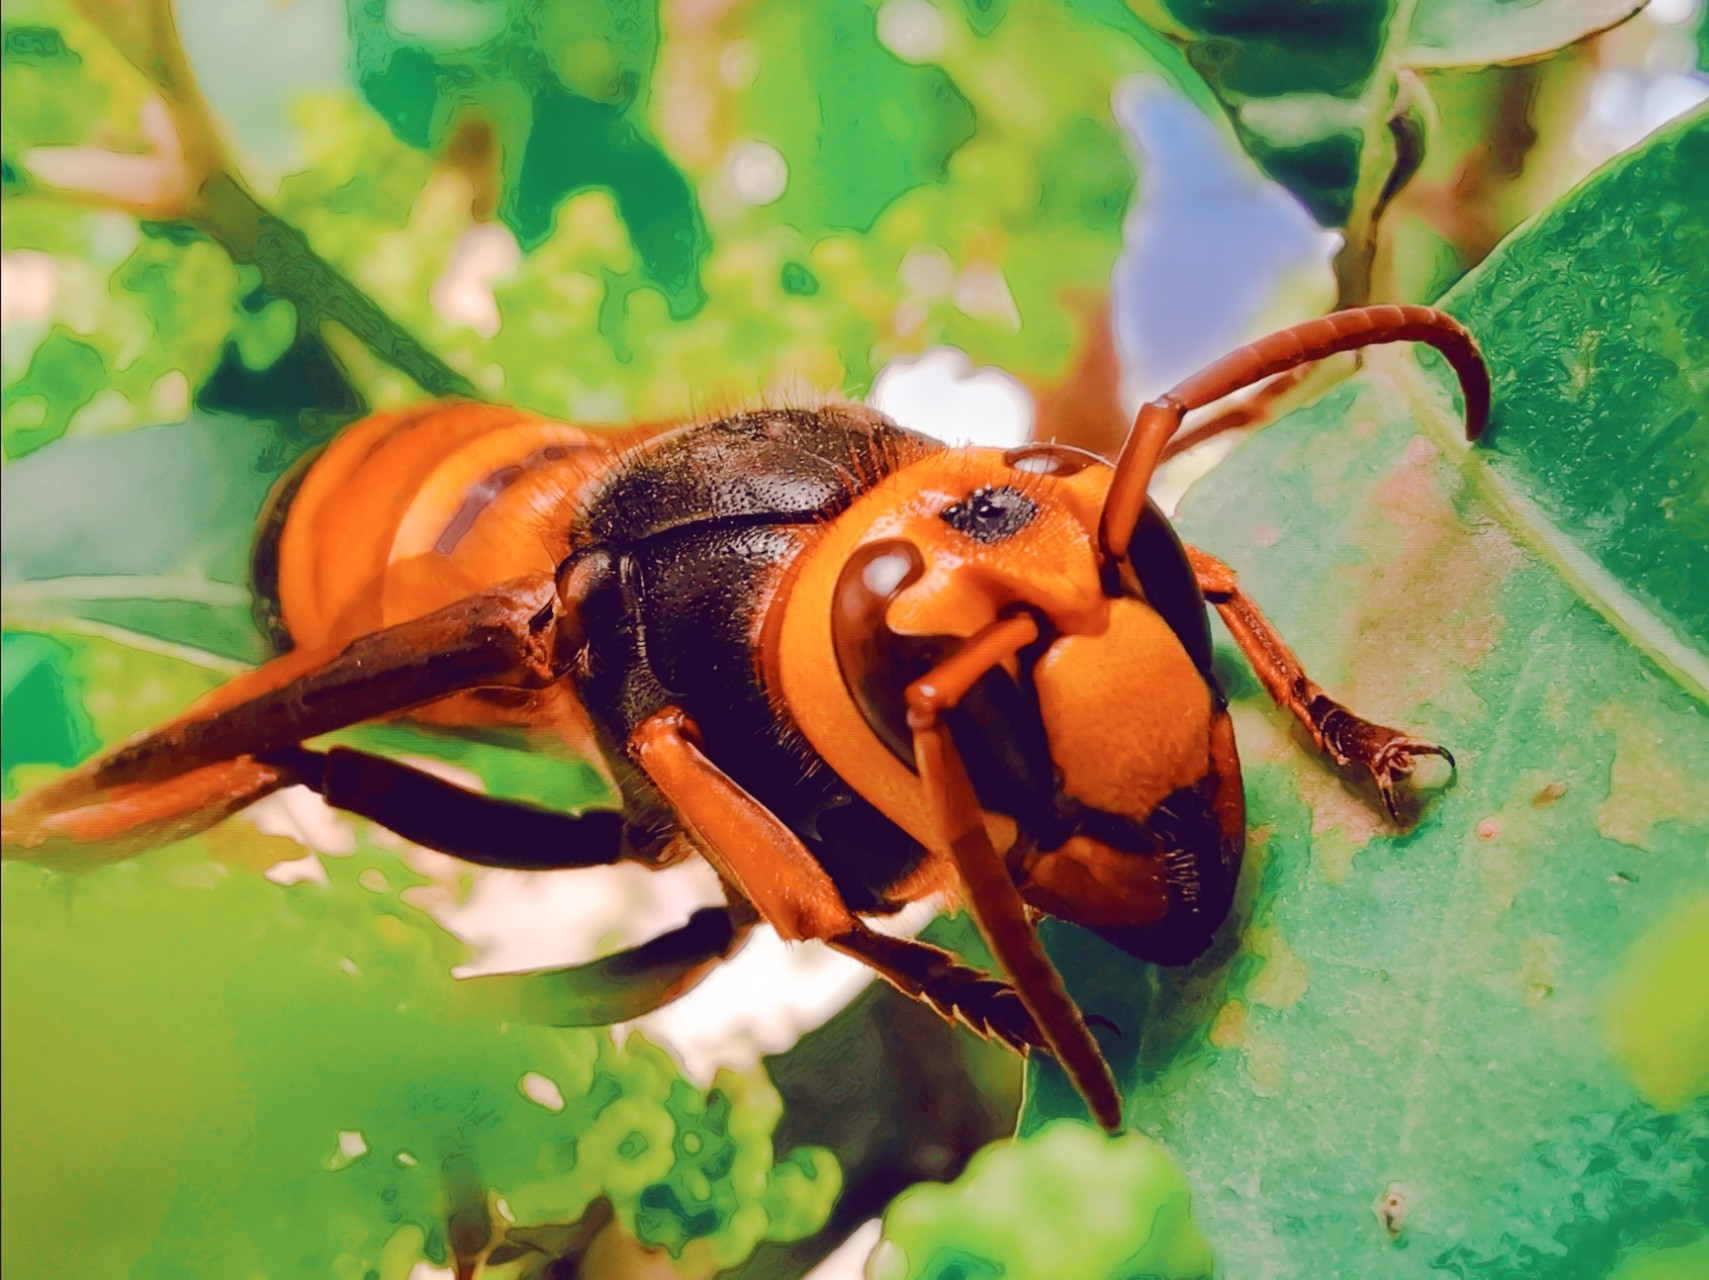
[[232, 227]]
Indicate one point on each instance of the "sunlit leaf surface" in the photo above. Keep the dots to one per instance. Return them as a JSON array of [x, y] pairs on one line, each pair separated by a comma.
[[1477, 33]]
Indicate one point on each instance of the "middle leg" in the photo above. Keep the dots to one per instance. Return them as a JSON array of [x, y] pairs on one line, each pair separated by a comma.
[[493, 832], [485, 830], [767, 864]]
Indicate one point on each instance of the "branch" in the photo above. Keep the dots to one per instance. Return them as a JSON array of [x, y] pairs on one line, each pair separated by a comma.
[[238, 222], [187, 175]]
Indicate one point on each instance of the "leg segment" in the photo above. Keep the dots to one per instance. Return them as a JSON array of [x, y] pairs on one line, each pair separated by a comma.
[[626, 985], [506, 637], [770, 867], [996, 903], [441, 815], [929, 974], [129, 820], [509, 637], [1159, 420], [1388, 756], [751, 848]]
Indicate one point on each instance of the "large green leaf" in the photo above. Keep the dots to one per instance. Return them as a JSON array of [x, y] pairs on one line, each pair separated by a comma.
[[1466, 1048], [1602, 452], [164, 554], [1311, 85]]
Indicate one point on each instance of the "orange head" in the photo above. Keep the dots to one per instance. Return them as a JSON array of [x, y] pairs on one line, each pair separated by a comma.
[[1103, 747]]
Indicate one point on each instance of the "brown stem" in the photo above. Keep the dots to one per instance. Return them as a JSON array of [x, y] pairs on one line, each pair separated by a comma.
[[1083, 407]]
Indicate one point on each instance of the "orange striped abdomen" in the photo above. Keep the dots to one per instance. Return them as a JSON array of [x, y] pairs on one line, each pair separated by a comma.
[[406, 512], [409, 511]]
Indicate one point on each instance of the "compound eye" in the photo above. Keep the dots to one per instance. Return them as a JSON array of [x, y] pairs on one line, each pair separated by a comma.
[[1059, 460], [876, 663], [991, 514], [1166, 579], [996, 726]]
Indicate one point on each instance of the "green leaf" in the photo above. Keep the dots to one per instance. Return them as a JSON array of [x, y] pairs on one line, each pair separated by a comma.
[[1603, 442], [975, 240], [1311, 85], [1447, 1035], [41, 720], [165, 552], [1003, 1217], [131, 320], [1485, 33], [63, 81], [989, 240], [1302, 82], [866, 125], [555, 85], [192, 1048]]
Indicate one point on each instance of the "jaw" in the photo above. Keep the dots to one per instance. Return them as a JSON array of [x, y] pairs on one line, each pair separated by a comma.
[[1158, 888]]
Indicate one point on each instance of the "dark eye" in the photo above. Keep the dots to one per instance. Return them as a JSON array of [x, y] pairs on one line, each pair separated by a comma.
[[990, 515]]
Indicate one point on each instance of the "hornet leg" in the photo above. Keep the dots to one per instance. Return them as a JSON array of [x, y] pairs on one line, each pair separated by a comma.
[[932, 975], [769, 866], [509, 637], [430, 811], [1387, 756], [622, 986], [492, 832]]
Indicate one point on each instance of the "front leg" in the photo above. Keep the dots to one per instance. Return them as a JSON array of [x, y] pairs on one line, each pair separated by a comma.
[[1387, 756], [933, 976], [769, 866], [992, 896], [748, 844]]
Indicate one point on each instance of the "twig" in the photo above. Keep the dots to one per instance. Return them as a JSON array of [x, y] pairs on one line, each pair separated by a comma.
[[238, 222], [188, 176]]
